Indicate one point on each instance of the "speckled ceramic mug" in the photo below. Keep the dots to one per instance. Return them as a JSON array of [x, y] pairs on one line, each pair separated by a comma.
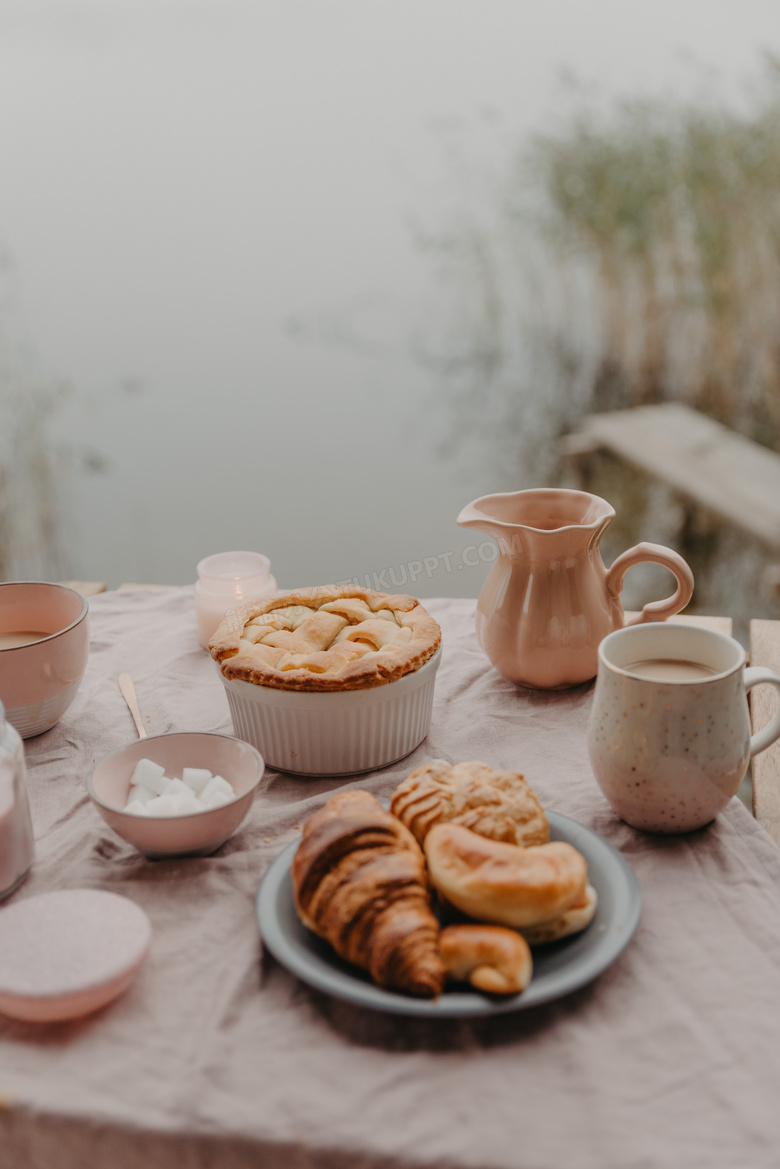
[[669, 732]]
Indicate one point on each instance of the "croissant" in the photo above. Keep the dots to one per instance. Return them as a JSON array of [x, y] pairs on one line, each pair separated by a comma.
[[490, 957], [501, 883], [359, 881], [497, 804]]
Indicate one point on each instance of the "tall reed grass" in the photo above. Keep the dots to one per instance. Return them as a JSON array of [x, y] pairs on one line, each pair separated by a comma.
[[39, 524], [34, 465], [674, 212], [632, 256]]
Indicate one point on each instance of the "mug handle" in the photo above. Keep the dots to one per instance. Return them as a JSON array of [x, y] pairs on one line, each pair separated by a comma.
[[654, 610], [764, 738]]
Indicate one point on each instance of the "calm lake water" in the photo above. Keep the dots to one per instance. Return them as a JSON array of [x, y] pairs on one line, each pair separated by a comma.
[[209, 208]]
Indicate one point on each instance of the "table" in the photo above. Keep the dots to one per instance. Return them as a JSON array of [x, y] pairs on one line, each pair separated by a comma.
[[217, 1056]]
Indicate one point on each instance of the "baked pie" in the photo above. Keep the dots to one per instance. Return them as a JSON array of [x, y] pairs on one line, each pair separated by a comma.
[[328, 638]]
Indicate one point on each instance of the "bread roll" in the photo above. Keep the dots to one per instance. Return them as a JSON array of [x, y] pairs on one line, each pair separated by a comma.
[[497, 804], [359, 881], [502, 883], [573, 921], [490, 957]]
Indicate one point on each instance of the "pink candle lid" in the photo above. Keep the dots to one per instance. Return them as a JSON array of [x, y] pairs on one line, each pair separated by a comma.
[[67, 953], [240, 575]]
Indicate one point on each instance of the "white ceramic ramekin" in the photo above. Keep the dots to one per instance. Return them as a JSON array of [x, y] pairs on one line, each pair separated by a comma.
[[340, 732]]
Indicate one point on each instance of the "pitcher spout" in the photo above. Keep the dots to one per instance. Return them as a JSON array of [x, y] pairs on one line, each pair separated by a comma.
[[472, 517], [523, 522]]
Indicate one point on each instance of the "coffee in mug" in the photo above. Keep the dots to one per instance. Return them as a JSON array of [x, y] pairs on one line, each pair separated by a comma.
[[669, 731], [670, 670]]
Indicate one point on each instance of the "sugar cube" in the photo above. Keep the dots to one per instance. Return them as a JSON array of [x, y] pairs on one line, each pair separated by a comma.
[[177, 788], [217, 799], [162, 806], [153, 793], [196, 778], [136, 808], [217, 784], [141, 794], [183, 805], [148, 773]]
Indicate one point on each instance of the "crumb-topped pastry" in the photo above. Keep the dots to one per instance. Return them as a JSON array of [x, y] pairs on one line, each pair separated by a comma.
[[326, 638], [500, 805]]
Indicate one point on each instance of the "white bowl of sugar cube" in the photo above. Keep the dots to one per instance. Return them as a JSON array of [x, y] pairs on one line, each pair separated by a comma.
[[180, 794]]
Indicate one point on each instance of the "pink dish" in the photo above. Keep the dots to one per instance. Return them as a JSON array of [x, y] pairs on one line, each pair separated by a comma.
[[39, 680], [196, 834], [69, 953]]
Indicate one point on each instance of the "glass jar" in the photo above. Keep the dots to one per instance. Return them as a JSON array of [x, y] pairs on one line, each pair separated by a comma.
[[17, 846], [226, 582]]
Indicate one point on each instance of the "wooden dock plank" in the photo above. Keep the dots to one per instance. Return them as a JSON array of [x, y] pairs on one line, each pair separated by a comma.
[[765, 651], [719, 624], [705, 461], [87, 588]]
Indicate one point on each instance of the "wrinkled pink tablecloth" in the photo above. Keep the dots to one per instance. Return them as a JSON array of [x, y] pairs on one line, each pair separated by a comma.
[[217, 1057]]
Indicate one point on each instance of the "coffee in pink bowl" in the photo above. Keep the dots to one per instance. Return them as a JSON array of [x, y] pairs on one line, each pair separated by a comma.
[[549, 599], [44, 647], [669, 731]]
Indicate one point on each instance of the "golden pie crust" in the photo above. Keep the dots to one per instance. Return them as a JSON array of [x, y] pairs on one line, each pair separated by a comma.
[[326, 638]]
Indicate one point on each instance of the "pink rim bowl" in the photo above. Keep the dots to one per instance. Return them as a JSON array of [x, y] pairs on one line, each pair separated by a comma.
[[39, 681], [197, 834], [69, 952]]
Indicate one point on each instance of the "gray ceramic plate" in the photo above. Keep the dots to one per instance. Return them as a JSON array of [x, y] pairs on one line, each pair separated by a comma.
[[558, 968]]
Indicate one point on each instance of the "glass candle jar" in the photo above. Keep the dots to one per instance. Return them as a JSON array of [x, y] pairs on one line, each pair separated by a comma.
[[226, 582], [17, 846]]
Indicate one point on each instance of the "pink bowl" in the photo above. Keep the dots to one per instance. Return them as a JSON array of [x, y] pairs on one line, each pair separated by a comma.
[[199, 833], [68, 952], [38, 681]]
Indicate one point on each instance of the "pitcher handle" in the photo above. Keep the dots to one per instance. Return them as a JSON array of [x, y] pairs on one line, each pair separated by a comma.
[[654, 610]]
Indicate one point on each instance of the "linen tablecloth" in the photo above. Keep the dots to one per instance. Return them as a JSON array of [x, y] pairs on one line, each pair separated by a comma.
[[217, 1056]]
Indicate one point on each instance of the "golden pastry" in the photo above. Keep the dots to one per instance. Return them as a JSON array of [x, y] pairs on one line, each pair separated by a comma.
[[491, 881], [497, 804], [359, 881], [573, 921], [326, 638], [490, 957]]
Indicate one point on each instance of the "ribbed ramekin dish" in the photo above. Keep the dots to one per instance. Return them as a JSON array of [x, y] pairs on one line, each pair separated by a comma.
[[339, 732]]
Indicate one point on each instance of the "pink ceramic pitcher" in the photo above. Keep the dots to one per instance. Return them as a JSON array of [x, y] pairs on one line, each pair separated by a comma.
[[549, 599]]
